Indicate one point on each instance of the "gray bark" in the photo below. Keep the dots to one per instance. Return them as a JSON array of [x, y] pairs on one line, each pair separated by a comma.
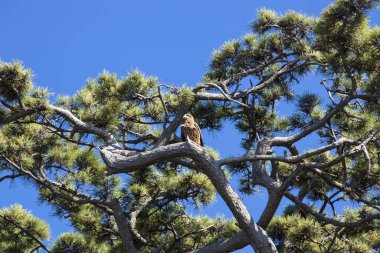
[[121, 161], [123, 227]]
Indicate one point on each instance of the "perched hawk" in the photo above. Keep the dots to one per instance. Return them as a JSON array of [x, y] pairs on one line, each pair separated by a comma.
[[191, 130]]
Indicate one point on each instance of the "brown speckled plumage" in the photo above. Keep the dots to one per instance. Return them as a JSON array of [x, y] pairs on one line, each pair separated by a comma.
[[191, 130]]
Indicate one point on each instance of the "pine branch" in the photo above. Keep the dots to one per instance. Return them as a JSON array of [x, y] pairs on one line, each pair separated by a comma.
[[25, 231]]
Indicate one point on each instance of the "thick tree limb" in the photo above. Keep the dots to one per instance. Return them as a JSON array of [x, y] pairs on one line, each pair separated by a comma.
[[123, 227], [19, 115], [240, 239], [133, 219], [259, 240], [236, 242], [122, 162]]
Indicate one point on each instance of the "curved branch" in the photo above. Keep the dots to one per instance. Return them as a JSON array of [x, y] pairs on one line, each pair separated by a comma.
[[121, 161], [199, 95], [13, 176], [322, 218], [236, 242], [133, 219], [240, 239], [284, 141], [64, 113], [288, 159], [69, 116], [19, 115]]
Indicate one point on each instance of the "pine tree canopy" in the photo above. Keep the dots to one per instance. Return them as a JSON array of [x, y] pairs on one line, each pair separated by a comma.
[[109, 158]]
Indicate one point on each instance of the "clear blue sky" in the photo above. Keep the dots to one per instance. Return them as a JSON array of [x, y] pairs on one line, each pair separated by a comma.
[[66, 42]]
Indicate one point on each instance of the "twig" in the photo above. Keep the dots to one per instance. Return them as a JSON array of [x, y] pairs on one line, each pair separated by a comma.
[[165, 109]]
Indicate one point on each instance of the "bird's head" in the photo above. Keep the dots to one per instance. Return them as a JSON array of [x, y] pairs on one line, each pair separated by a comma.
[[188, 118]]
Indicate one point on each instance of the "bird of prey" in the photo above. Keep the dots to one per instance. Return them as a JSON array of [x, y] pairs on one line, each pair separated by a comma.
[[190, 130]]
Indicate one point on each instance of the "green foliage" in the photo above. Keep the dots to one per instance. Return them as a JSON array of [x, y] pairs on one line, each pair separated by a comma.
[[211, 115], [303, 234], [260, 71], [168, 191], [213, 153], [38, 96], [25, 144], [174, 185], [77, 243], [200, 230], [17, 226], [266, 20], [184, 97], [344, 36], [104, 101], [15, 80], [341, 23], [307, 103], [136, 82]]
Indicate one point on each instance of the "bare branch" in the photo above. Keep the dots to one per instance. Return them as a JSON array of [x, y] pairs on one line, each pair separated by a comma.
[[351, 192], [199, 95], [168, 132], [283, 141], [164, 106], [109, 138], [66, 114], [288, 159], [256, 68], [324, 219], [371, 136], [285, 69], [13, 176], [228, 96], [323, 82]]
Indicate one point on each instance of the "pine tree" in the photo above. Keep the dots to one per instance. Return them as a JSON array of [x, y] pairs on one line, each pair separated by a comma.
[[108, 159]]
